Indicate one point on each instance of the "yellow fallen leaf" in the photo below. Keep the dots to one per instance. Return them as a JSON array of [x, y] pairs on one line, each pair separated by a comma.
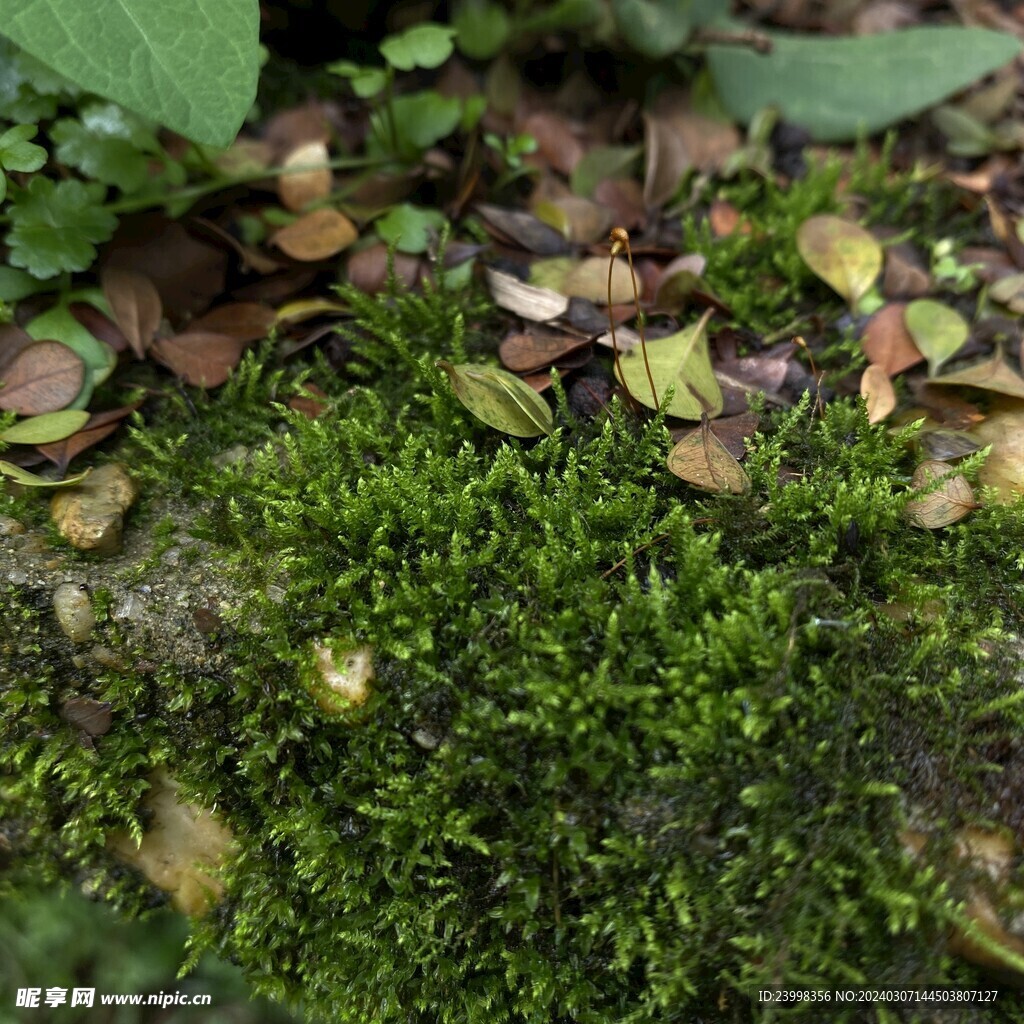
[[877, 391]]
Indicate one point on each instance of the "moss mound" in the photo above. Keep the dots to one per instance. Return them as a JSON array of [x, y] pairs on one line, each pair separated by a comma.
[[631, 753]]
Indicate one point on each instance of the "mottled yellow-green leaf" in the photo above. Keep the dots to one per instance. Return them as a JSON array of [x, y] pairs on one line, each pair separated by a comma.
[[701, 459], [938, 331], [681, 360], [46, 428], [843, 254], [27, 479], [500, 399], [943, 505], [991, 375]]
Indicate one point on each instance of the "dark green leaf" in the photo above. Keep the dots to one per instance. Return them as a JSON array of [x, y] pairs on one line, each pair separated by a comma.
[[483, 28], [654, 28], [188, 64], [56, 227], [840, 87], [421, 120]]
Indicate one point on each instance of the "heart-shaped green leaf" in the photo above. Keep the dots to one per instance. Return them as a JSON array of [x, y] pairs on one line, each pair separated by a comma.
[[680, 360], [46, 428], [937, 330], [841, 253], [422, 46], [499, 399]]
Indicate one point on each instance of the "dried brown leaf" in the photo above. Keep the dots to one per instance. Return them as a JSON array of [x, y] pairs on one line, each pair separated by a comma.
[[317, 235], [525, 300], [701, 459], [43, 377], [244, 321], [943, 505], [991, 375], [887, 342], [136, 306], [200, 358], [877, 391], [298, 188], [99, 426], [12, 341], [533, 350]]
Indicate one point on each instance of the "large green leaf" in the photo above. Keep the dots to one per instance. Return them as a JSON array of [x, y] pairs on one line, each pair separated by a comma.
[[837, 88], [681, 361], [191, 65]]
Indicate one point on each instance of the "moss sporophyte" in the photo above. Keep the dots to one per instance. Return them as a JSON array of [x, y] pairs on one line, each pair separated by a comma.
[[630, 751]]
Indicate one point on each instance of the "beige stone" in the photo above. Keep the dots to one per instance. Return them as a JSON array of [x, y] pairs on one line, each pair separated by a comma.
[[343, 678], [181, 847], [90, 516]]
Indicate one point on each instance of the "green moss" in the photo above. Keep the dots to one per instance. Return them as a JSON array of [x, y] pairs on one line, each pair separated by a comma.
[[761, 275], [581, 790]]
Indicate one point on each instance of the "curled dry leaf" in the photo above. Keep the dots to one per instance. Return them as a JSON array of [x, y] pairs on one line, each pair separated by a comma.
[[701, 459], [245, 321], [499, 399], [522, 353], [43, 377], [135, 304], [887, 342], [938, 331], [300, 310], [200, 358], [523, 229], [942, 505], [306, 178], [312, 404], [93, 717], [991, 375], [27, 479], [317, 235], [525, 300], [843, 254], [876, 390], [1003, 468]]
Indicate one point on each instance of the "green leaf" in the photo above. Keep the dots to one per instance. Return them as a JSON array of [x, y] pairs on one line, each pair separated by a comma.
[[17, 284], [420, 120], [29, 90], [483, 28], [422, 46], [17, 153], [938, 331], [407, 227], [190, 65], [27, 479], [56, 227], [838, 88], [46, 428], [601, 163], [682, 361], [843, 254], [366, 82], [499, 399], [654, 28], [107, 144]]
